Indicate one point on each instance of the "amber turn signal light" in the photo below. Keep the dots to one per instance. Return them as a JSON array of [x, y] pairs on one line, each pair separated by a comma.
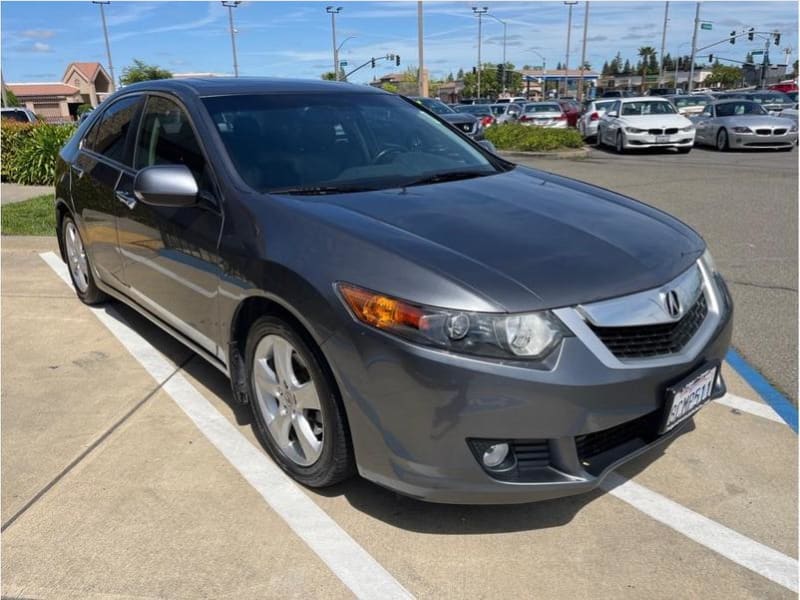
[[379, 310]]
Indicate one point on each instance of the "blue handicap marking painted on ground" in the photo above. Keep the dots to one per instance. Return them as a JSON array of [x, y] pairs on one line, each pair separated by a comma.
[[778, 402]]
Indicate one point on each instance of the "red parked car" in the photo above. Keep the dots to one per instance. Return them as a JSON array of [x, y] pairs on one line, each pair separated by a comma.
[[572, 110], [784, 86]]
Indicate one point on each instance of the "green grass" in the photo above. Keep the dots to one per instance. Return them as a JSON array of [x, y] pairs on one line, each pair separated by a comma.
[[36, 216]]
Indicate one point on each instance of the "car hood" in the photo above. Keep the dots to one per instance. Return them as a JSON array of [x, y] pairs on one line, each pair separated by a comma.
[[458, 118], [648, 121], [526, 239]]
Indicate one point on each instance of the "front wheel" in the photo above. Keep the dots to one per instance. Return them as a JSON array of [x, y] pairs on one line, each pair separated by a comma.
[[298, 413], [620, 145], [80, 270], [722, 140]]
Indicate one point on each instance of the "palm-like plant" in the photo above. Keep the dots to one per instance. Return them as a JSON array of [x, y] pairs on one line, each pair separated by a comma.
[[645, 52]]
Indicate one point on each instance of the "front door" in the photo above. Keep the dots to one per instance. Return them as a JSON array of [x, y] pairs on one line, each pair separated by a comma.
[[170, 255]]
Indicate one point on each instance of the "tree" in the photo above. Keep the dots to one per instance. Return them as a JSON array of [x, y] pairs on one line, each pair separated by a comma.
[[559, 66], [645, 52], [390, 87], [140, 71], [616, 65], [586, 66], [460, 75], [724, 76], [450, 76], [11, 98], [669, 64], [84, 108], [605, 70], [652, 65], [626, 68]]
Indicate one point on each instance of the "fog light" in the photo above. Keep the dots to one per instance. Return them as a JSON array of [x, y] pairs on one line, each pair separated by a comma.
[[495, 455]]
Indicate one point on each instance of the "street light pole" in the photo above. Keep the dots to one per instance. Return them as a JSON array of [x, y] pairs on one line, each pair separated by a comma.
[[333, 11], [544, 73], [505, 35], [108, 47], [339, 47], [663, 43], [570, 4], [583, 50], [694, 46], [422, 84], [230, 5], [480, 12]]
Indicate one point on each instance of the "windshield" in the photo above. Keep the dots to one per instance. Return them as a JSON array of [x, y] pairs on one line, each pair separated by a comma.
[[683, 101], [475, 109], [499, 109], [769, 98], [729, 109], [436, 106], [542, 108], [647, 107], [328, 143]]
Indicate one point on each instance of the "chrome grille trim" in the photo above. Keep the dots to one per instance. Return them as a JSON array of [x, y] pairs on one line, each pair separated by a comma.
[[577, 323]]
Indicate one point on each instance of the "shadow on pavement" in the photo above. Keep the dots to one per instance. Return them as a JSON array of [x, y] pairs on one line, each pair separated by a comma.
[[387, 506]]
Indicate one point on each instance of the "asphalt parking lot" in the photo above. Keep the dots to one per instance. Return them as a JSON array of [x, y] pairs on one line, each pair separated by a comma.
[[127, 472], [745, 206]]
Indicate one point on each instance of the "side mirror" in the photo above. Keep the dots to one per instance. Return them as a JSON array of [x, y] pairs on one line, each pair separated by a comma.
[[612, 113], [487, 145], [166, 185]]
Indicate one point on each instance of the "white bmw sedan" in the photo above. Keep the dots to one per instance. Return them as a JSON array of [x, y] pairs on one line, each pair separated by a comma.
[[645, 122]]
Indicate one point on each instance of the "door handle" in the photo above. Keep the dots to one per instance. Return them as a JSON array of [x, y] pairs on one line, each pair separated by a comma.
[[78, 171], [126, 199]]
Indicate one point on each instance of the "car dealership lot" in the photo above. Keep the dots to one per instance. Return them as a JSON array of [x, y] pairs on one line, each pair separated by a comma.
[[112, 487]]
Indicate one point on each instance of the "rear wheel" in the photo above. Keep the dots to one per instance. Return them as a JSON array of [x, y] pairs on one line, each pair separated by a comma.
[[297, 411], [80, 270], [722, 140]]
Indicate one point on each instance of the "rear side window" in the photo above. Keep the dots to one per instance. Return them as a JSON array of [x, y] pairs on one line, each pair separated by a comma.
[[166, 138], [109, 134]]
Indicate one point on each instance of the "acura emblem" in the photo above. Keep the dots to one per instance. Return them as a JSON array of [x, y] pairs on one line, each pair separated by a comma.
[[673, 304]]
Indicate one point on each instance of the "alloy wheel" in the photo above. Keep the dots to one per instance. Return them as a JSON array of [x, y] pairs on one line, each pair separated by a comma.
[[620, 143], [76, 257], [722, 140], [288, 400]]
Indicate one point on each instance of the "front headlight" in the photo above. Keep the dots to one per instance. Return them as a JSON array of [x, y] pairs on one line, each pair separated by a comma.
[[708, 262], [793, 129], [525, 336], [687, 129], [741, 129], [634, 130]]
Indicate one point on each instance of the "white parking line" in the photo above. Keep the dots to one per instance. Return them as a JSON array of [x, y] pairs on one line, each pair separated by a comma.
[[345, 557], [353, 565], [748, 553], [749, 406]]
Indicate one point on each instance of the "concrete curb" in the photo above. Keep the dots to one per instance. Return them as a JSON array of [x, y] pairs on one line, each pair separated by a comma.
[[577, 153]]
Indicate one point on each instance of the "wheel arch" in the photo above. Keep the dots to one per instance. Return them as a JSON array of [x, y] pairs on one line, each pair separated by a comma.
[[62, 209]]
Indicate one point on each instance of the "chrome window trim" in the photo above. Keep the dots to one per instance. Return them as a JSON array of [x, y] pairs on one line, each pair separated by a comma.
[[574, 319]]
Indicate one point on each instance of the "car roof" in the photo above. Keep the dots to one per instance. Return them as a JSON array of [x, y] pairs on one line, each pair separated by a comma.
[[644, 98], [732, 101], [222, 86]]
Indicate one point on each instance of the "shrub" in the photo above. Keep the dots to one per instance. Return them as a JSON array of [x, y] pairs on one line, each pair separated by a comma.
[[514, 136], [30, 150]]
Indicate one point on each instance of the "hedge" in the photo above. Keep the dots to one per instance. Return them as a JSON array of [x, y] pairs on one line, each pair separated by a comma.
[[29, 151], [514, 136]]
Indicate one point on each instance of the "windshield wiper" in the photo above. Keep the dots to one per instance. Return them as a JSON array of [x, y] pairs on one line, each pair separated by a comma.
[[446, 176], [320, 190]]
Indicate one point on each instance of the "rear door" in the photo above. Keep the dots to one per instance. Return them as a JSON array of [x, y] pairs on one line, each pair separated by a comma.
[[105, 153], [170, 256]]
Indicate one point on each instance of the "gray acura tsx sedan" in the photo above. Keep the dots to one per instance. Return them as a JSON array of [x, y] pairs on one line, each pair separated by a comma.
[[390, 297]]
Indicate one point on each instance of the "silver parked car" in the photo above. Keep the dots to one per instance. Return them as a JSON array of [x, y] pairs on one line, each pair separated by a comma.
[[544, 114], [505, 113], [690, 104], [743, 123], [587, 122]]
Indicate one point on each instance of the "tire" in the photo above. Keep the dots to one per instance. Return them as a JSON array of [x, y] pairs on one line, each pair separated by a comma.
[[620, 144], [304, 432], [80, 269], [723, 145]]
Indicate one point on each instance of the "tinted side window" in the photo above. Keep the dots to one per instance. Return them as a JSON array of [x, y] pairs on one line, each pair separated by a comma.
[[108, 136], [166, 138]]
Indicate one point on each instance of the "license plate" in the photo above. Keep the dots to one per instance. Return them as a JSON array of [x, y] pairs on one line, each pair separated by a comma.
[[662, 139], [686, 398]]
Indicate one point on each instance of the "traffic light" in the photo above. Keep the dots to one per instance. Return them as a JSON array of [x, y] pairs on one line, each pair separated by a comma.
[[777, 39], [474, 70], [710, 58], [750, 34], [373, 63], [397, 60], [733, 37]]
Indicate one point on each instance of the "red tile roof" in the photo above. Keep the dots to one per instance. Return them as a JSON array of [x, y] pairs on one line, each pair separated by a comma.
[[87, 69], [42, 89]]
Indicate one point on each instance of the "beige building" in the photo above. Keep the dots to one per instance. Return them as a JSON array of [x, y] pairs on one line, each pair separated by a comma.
[[82, 83]]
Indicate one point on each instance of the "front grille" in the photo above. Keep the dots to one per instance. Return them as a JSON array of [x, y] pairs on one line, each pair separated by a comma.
[[763, 131], [779, 131], [531, 454], [655, 131], [671, 130], [642, 341], [466, 127], [591, 445]]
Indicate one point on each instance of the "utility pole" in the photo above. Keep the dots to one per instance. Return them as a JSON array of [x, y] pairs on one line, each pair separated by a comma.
[[333, 11], [108, 47], [694, 47], [570, 4], [3, 88], [663, 44], [764, 63], [583, 48], [230, 5], [422, 81], [505, 31], [480, 12]]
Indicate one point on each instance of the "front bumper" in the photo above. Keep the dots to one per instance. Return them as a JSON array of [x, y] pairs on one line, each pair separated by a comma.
[[755, 141], [412, 410], [646, 140]]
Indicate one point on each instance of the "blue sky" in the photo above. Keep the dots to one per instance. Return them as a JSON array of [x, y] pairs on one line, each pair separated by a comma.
[[294, 38]]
